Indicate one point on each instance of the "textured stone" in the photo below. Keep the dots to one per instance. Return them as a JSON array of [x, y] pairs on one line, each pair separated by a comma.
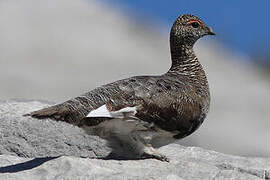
[[187, 163], [44, 149]]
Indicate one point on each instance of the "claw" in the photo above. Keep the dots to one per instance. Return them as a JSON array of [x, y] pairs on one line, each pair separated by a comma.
[[157, 156]]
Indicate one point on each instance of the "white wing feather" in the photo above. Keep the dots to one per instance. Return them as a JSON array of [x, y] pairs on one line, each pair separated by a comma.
[[103, 111]]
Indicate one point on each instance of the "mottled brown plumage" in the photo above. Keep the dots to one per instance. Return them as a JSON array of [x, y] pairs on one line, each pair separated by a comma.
[[174, 103]]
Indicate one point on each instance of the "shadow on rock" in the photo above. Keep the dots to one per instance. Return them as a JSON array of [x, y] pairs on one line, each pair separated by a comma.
[[25, 165]]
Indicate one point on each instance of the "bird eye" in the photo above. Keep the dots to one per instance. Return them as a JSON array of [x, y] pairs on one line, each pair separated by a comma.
[[195, 24]]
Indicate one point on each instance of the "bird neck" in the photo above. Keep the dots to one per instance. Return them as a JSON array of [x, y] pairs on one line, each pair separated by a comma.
[[182, 52], [186, 64], [183, 57]]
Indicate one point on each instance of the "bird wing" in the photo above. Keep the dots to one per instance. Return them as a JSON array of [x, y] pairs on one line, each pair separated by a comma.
[[124, 105]]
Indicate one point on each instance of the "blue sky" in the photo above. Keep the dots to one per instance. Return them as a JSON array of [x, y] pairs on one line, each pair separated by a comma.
[[242, 25]]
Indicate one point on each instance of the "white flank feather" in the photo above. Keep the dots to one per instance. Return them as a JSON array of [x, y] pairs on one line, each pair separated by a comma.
[[103, 111], [124, 112]]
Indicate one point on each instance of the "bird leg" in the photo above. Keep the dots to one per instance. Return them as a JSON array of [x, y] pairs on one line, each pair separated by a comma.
[[146, 149], [150, 152]]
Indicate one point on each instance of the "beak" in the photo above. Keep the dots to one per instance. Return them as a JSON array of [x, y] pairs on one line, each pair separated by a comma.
[[211, 32]]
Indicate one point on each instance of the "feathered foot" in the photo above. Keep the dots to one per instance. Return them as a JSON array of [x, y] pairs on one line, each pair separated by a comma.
[[151, 153]]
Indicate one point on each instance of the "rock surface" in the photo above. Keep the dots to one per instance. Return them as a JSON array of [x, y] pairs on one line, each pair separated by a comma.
[[44, 149]]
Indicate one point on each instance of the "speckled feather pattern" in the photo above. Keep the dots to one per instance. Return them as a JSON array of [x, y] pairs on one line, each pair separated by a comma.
[[176, 101]]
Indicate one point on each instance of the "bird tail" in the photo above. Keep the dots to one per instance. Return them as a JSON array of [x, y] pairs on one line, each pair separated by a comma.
[[59, 112], [55, 112]]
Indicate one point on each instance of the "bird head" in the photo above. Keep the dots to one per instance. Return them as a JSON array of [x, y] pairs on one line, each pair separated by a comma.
[[189, 28]]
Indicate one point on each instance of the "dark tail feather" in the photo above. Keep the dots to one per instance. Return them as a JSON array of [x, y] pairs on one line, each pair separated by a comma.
[[57, 112], [60, 112]]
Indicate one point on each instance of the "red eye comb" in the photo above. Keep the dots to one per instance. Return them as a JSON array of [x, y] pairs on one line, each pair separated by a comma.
[[192, 21]]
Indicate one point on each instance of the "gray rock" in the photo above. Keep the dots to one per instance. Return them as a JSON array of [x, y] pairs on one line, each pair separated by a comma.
[[44, 149], [187, 163]]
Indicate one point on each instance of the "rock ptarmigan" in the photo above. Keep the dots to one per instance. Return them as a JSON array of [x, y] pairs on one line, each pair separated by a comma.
[[141, 113]]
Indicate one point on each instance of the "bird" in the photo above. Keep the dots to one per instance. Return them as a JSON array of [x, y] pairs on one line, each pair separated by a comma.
[[137, 115]]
